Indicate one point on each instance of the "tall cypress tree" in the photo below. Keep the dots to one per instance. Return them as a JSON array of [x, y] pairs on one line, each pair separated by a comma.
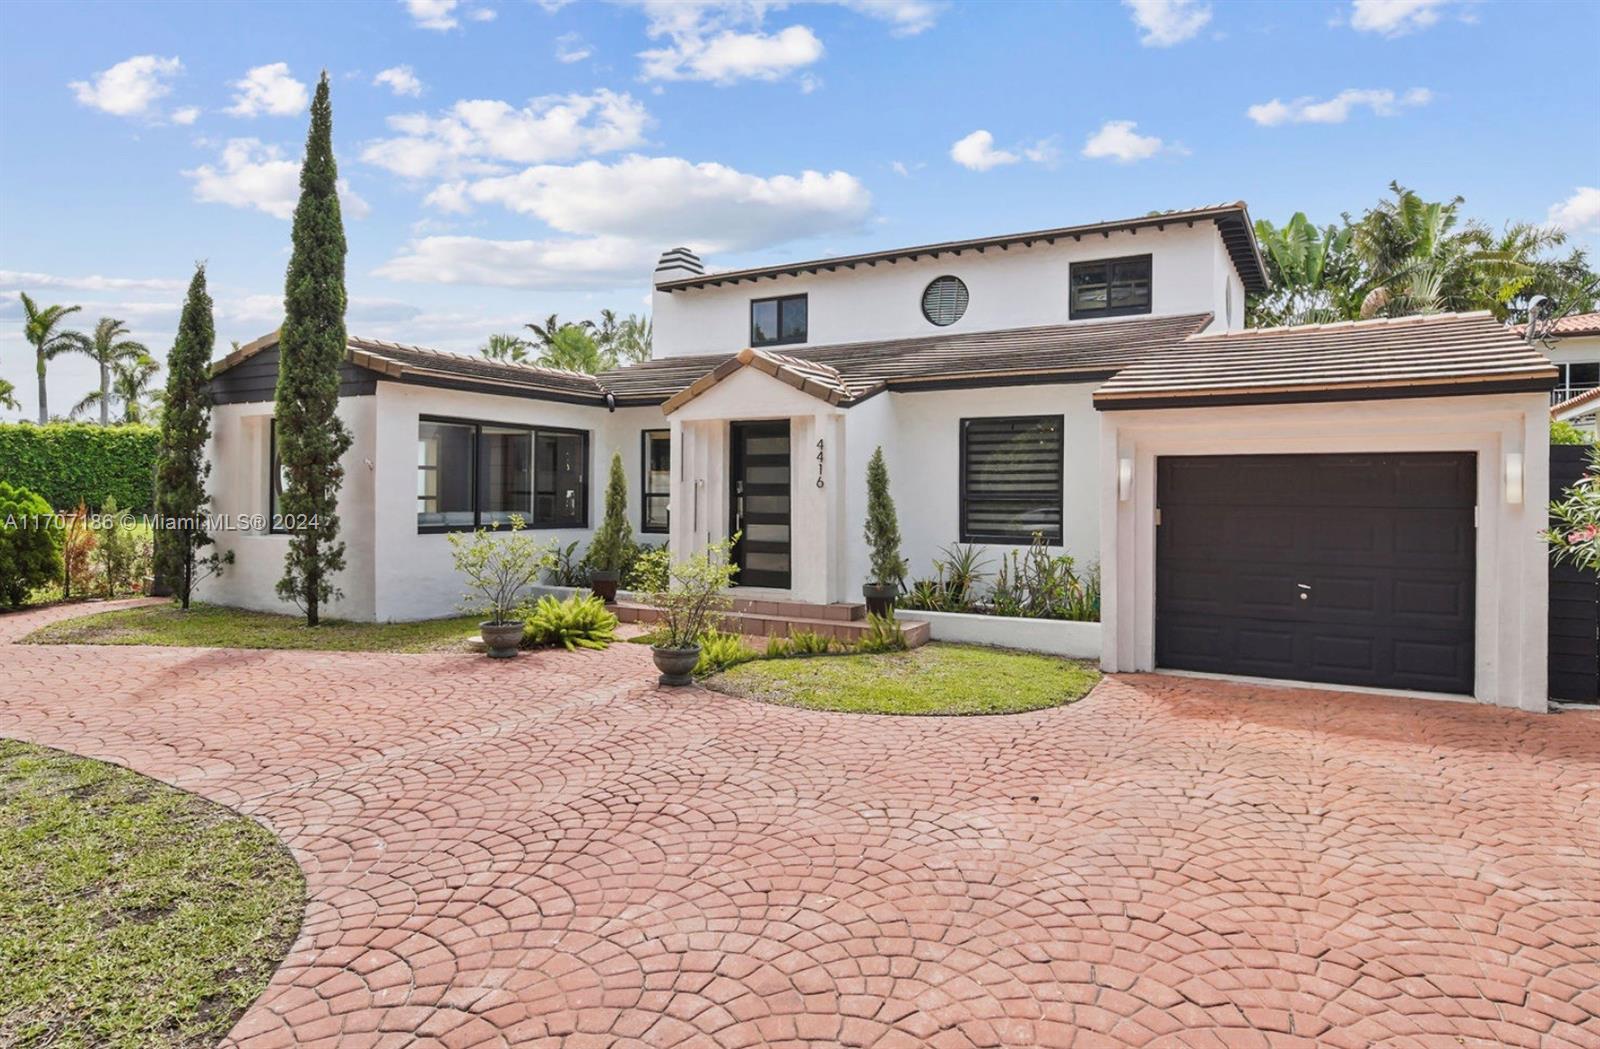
[[311, 346], [181, 466]]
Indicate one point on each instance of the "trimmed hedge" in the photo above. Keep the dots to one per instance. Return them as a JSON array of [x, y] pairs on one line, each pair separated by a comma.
[[66, 462]]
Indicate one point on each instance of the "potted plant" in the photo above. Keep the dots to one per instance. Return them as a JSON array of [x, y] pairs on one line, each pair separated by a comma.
[[692, 600], [614, 540], [498, 572], [883, 541]]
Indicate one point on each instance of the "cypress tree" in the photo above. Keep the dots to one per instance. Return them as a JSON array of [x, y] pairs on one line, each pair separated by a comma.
[[883, 527], [181, 466], [311, 346]]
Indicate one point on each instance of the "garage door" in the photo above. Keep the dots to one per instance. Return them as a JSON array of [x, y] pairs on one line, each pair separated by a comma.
[[1347, 569]]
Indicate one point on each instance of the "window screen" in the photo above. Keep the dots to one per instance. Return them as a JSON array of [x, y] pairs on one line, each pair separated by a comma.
[[1011, 479], [944, 300]]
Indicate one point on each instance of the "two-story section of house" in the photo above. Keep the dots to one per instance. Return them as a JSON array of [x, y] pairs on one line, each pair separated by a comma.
[[1353, 504]]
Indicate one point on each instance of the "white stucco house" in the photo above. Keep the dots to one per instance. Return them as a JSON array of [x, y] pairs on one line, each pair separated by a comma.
[[1354, 504], [1573, 345]]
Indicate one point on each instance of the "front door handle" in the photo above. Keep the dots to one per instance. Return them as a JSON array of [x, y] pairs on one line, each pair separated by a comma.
[[1305, 591]]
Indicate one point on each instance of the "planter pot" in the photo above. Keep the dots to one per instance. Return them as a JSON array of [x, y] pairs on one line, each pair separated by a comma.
[[676, 664], [604, 585], [502, 639], [880, 598]]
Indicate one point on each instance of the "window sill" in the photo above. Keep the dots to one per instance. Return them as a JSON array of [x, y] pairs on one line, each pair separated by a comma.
[[1124, 311], [1009, 540], [777, 342]]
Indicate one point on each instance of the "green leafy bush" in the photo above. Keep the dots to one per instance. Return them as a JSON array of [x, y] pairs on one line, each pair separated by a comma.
[[719, 651], [69, 463], [883, 635], [650, 570], [810, 643], [498, 569], [118, 549], [581, 621], [613, 545], [1563, 432], [566, 568], [30, 544]]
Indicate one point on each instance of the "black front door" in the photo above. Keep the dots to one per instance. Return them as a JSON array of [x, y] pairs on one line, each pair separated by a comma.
[[1348, 569], [760, 503]]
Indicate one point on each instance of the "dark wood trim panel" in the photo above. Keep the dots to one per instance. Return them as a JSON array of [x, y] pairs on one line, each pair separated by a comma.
[[1359, 393]]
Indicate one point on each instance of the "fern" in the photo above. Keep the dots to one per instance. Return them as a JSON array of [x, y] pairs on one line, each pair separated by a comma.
[[581, 621], [883, 635], [719, 651]]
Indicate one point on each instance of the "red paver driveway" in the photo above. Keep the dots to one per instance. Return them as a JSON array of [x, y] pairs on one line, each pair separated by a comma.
[[551, 852]]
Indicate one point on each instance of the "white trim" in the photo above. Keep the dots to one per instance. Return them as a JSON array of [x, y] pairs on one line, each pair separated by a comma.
[[1058, 637]]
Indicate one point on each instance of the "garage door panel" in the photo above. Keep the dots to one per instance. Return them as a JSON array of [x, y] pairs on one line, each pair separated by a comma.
[[1351, 569]]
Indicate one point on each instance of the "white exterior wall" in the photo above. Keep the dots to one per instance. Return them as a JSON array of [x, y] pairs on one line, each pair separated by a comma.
[[238, 452], [1010, 288], [1512, 567]]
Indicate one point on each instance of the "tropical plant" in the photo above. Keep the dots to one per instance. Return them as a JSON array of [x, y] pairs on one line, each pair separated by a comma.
[[624, 341], [40, 327], [883, 634], [580, 621], [510, 348], [574, 349], [719, 651], [110, 348], [566, 568], [1310, 273], [810, 643], [8, 395], [30, 544], [958, 575], [693, 601], [133, 386], [77, 549], [545, 334], [498, 570], [116, 548], [1575, 532], [613, 544], [1042, 585], [312, 343], [882, 528], [181, 464]]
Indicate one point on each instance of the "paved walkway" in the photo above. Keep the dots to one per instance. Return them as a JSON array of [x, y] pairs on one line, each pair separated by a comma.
[[550, 852]]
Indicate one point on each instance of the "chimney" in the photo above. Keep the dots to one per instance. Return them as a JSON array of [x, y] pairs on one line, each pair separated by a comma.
[[676, 264]]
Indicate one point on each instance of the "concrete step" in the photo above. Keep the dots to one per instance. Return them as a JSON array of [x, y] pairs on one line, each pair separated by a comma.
[[757, 625], [842, 610]]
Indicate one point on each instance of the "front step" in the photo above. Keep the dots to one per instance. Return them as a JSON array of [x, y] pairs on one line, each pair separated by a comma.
[[844, 624]]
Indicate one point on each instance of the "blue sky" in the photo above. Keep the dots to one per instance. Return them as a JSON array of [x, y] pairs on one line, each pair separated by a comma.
[[505, 160]]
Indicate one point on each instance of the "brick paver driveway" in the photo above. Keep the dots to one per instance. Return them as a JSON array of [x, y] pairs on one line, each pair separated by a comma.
[[551, 852]]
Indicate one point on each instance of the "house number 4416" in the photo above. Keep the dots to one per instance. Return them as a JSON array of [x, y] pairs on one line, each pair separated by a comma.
[[819, 462]]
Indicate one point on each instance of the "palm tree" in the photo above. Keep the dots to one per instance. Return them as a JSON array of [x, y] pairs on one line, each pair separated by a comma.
[[631, 344], [132, 385], [503, 347], [39, 326], [574, 349], [1311, 273], [107, 346], [8, 396], [545, 334]]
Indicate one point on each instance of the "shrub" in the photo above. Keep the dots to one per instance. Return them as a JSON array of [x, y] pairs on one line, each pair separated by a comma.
[[117, 548], [882, 528], [581, 621], [78, 541], [71, 463], [719, 651], [1045, 586], [810, 643], [778, 648], [958, 575], [566, 568], [1575, 532], [649, 571], [1563, 432], [30, 544], [883, 635], [693, 600], [613, 544], [498, 570]]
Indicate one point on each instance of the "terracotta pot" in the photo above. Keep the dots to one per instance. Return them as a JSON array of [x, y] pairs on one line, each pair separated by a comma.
[[604, 585], [502, 639], [676, 664], [880, 598]]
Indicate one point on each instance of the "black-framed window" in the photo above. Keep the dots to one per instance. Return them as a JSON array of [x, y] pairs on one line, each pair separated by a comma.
[[274, 481], [473, 474], [1110, 287], [656, 470], [1011, 479], [775, 322]]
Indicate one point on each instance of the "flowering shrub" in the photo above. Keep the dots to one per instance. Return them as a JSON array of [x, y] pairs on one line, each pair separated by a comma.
[[1574, 534]]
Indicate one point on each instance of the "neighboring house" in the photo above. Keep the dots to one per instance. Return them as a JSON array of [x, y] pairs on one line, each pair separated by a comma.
[[1573, 344], [1355, 503]]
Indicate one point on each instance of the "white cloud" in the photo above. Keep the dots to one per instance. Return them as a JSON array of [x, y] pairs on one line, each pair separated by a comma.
[[1579, 213], [252, 174], [1392, 18], [93, 282], [1117, 140], [593, 262], [905, 17], [402, 80], [976, 151], [479, 136], [570, 47], [129, 88], [1168, 22], [433, 14], [269, 89], [185, 115], [731, 56], [1336, 110], [483, 14]]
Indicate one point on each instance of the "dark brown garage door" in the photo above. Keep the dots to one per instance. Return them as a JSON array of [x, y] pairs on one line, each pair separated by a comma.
[[1348, 569]]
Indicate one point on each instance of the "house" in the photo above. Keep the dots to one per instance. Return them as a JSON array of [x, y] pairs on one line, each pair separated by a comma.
[[1355, 504], [1573, 344]]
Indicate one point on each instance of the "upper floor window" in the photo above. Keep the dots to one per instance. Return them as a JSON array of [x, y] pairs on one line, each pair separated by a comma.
[[1110, 287], [657, 480], [471, 474], [944, 300], [774, 322]]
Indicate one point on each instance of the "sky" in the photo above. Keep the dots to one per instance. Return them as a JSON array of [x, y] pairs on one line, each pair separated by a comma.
[[502, 160]]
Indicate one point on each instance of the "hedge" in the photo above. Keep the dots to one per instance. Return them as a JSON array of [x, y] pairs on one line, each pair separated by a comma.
[[68, 462]]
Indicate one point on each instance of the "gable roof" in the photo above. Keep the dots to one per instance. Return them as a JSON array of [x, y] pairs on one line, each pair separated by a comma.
[[1577, 324], [818, 380], [1232, 222], [1410, 356], [1578, 405]]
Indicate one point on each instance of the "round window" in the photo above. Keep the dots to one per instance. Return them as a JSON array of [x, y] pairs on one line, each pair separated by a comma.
[[944, 301]]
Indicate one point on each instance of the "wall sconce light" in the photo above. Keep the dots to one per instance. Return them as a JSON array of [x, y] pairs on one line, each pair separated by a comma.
[[1513, 478], [1124, 480]]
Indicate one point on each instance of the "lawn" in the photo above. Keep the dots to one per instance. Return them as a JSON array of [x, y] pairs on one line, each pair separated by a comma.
[[210, 626], [933, 679], [131, 913]]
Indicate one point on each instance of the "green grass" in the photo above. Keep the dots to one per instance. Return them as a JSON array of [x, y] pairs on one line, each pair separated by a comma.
[[210, 626], [131, 913], [934, 679]]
